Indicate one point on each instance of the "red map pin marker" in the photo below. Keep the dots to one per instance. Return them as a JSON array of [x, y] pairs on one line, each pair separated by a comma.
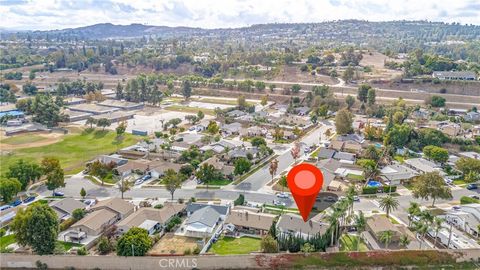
[[305, 181]]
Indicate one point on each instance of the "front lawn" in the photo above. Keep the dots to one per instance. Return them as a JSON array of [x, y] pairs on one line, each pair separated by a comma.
[[73, 151], [231, 245], [355, 177], [6, 240], [347, 243], [22, 139]]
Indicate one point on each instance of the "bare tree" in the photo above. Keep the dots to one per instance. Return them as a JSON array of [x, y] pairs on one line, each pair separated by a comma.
[[273, 168]]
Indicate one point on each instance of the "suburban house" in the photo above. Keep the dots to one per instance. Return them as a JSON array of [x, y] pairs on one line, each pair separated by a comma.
[[254, 131], [111, 159], [472, 116], [120, 207], [396, 174], [220, 146], [345, 157], [292, 224], [378, 224], [302, 111], [150, 219], [450, 129], [455, 75], [326, 153], [254, 223], [93, 224], [65, 207], [218, 164], [467, 218], [421, 165], [203, 219], [236, 113], [231, 129]]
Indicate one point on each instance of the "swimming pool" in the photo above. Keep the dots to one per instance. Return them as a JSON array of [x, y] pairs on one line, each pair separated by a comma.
[[373, 183]]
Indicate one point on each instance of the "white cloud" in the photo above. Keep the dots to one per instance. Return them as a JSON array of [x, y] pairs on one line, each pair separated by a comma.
[[57, 14]]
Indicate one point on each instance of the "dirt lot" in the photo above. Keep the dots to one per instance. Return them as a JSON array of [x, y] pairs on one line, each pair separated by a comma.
[[171, 244]]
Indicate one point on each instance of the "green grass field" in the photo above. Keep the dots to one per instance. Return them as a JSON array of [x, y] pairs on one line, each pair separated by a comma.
[[73, 151], [347, 243], [21, 139], [67, 245], [230, 245], [6, 240]]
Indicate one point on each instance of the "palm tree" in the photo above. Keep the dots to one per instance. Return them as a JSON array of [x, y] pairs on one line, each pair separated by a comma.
[[124, 186], [437, 226], [360, 224], [404, 241], [388, 204], [273, 168], [422, 229], [413, 210], [350, 198], [333, 220], [386, 237]]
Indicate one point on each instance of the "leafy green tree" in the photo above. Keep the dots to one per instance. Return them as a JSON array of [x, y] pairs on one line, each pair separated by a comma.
[[240, 200], [91, 121], [207, 173], [103, 122], [136, 242], [9, 187], [173, 181], [213, 128], [187, 89], [257, 141], [83, 193], [388, 204], [283, 182], [436, 101], [55, 179], [269, 244], [46, 111], [242, 165], [296, 88], [200, 115], [78, 214], [436, 153], [468, 166], [371, 95], [350, 101], [29, 89], [104, 245], [362, 93], [347, 75], [431, 186], [413, 211], [123, 186], [36, 226], [25, 172], [404, 241], [260, 85], [343, 122], [429, 136], [398, 136], [120, 129]]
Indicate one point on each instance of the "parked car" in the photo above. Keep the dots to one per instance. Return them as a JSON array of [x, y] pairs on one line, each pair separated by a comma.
[[356, 198], [282, 195], [279, 203], [58, 194], [16, 203], [139, 182], [474, 197], [146, 177], [5, 207], [29, 199], [472, 186], [330, 199]]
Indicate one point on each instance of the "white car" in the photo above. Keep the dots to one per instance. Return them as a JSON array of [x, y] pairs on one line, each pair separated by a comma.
[[282, 195], [139, 182], [279, 203]]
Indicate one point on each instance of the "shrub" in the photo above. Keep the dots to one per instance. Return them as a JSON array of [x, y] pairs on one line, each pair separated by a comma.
[[104, 246], [82, 251], [187, 252], [67, 223], [158, 206], [196, 250], [369, 190], [389, 188], [78, 214]]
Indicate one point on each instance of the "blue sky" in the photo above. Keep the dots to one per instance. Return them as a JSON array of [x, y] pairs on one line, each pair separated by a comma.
[[58, 14]]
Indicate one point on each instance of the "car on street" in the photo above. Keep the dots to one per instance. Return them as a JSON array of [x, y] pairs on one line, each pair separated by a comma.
[[58, 194], [330, 199], [472, 186], [279, 203], [282, 195], [29, 199], [474, 197], [146, 177], [138, 182], [5, 207], [16, 203], [356, 198]]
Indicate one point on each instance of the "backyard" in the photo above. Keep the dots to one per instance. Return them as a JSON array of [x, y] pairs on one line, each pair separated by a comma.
[[73, 151], [6, 240], [349, 243], [231, 245]]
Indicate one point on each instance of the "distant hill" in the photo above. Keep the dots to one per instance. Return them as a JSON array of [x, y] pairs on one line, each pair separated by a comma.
[[344, 30]]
